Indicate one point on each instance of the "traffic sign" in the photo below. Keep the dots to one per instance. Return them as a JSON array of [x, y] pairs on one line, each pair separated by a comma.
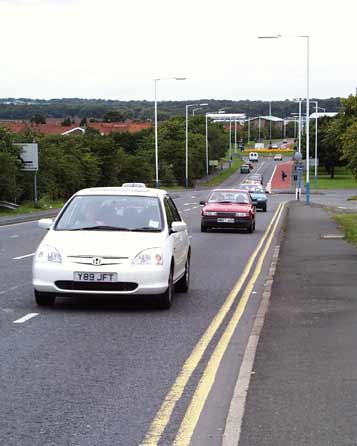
[[28, 156]]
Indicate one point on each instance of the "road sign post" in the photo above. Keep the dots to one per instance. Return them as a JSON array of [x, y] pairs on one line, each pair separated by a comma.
[[298, 158], [28, 157]]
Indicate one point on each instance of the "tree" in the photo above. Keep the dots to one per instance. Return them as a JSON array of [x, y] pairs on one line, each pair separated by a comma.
[[9, 166], [349, 147], [66, 122], [113, 116], [38, 118], [329, 143]]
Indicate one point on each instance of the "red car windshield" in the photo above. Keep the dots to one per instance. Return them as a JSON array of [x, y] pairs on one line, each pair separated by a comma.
[[229, 197]]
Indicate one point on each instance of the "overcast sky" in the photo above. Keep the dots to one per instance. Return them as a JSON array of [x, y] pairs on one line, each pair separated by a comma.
[[115, 48]]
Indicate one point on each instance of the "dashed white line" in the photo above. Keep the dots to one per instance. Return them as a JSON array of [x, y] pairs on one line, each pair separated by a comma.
[[25, 318], [23, 257], [260, 166], [13, 288], [272, 175]]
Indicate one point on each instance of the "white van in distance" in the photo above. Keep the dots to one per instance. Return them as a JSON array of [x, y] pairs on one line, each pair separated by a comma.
[[253, 156]]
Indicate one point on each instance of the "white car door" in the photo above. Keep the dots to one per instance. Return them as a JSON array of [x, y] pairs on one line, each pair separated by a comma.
[[180, 239]]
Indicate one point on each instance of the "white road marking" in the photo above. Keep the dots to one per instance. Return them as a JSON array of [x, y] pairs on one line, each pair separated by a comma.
[[193, 196], [23, 257], [260, 166], [14, 236], [272, 175], [25, 318], [22, 223], [13, 288]]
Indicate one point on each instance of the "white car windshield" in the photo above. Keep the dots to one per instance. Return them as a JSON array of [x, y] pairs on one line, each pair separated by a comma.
[[229, 197], [111, 212]]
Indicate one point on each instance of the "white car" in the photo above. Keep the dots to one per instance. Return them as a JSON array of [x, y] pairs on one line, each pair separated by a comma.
[[278, 157], [253, 156], [114, 241]]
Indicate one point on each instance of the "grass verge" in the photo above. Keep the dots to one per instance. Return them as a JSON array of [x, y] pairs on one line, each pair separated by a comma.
[[224, 174], [343, 179], [348, 223], [28, 208]]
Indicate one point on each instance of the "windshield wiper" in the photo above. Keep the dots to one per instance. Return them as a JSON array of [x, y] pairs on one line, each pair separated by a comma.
[[100, 228], [146, 229], [225, 201]]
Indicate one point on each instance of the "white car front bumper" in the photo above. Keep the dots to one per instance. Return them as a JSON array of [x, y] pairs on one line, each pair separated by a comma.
[[131, 279]]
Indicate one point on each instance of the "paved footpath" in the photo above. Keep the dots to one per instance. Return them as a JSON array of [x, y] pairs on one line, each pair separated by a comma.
[[304, 387]]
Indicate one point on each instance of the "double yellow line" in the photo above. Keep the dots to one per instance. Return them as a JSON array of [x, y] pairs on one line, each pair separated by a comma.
[[201, 393]]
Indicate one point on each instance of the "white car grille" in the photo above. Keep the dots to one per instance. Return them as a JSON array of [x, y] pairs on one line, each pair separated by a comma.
[[97, 260]]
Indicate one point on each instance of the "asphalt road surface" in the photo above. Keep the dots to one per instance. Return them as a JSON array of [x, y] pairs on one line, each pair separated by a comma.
[[96, 372]]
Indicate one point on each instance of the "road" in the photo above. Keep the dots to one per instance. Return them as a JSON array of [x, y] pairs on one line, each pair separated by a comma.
[[88, 373]]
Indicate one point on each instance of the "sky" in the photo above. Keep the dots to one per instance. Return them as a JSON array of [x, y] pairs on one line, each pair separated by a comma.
[[113, 49]]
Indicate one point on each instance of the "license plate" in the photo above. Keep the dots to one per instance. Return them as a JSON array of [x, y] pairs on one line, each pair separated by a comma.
[[225, 220], [95, 277]]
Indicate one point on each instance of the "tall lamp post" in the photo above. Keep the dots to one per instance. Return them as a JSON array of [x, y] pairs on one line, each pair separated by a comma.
[[270, 121], [316, 118], [230, 137], [156, 139], [278, 36], [299, 101], [187, 107], [195, 109]]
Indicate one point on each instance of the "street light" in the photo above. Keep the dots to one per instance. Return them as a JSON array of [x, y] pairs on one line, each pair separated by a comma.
[[316, 117], [187, 107], [270, 120], [299, 101], [195, 109], [278, 36], [156, 139]]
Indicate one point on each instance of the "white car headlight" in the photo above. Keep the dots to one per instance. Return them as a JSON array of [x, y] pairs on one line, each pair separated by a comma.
[[242, 214], [48, 253], [210, 213], [151, 256]]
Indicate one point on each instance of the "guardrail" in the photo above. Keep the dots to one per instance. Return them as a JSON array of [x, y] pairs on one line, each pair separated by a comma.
[[8, 205]]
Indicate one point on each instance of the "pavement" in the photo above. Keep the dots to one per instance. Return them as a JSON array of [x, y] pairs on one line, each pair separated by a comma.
[[304, 382]]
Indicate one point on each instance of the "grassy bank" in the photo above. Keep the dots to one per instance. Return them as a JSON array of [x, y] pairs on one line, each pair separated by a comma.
[[343, 179], [224, 174], [348, 223], [28, 208]]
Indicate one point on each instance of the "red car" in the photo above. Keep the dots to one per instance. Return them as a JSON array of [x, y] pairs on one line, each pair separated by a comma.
[[228, 208]]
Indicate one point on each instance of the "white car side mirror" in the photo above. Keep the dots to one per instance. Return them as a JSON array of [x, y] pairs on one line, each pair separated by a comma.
[[45, 223], [178, 226]]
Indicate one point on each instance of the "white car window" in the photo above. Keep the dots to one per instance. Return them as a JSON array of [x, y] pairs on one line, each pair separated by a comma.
[[114, 211]]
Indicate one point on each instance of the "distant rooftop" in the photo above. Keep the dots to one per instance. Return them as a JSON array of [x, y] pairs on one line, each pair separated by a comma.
[[322, 114]]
